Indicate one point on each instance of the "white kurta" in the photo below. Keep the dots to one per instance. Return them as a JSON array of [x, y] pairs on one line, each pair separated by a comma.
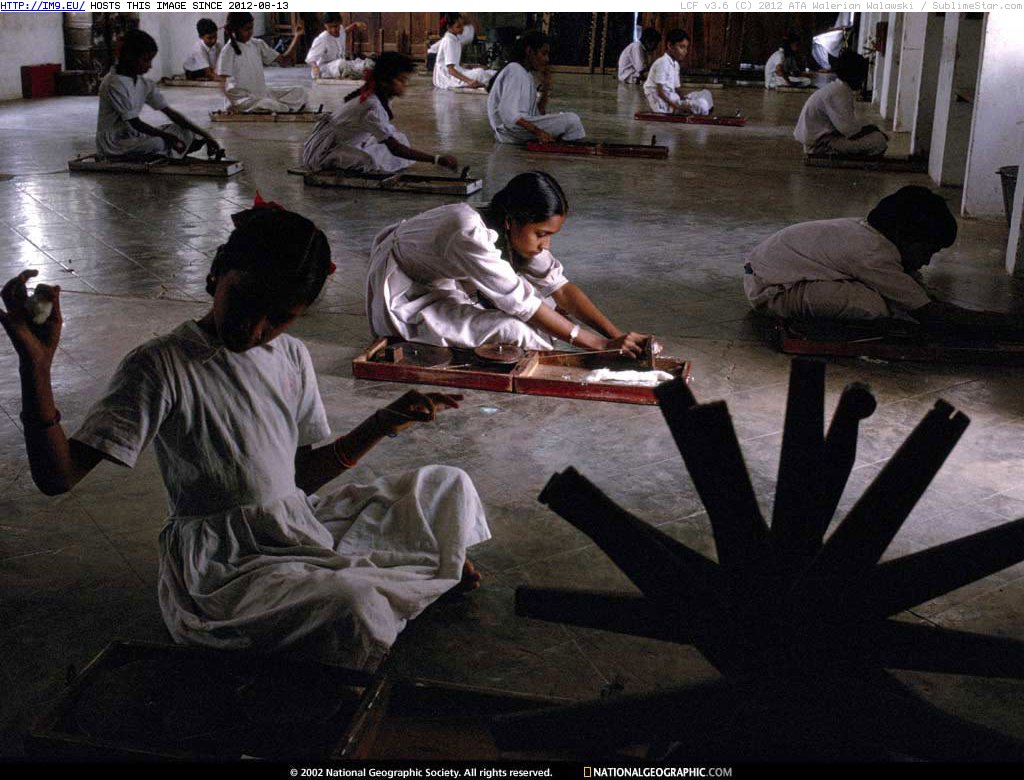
[[328, 54], [665, 71], [352, 138], [249, 561], [246, 86], [833, 268], [632, 61], [122, 98], [827, 121], [449, 52], [201, 56], [439, 278], [513, 96]]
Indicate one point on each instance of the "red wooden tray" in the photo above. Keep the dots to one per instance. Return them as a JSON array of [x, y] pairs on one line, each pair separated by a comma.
[[689, 119], [601, 149]]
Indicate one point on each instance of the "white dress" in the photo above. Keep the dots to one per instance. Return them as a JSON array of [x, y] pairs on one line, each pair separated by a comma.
[[830, 269], [201, 56], [665, 71], [328, 54], [632, 61], [513, 96], [352, 138], [449, 52], [827, 121], [249, 561], [247, 88], [438, 278], [122, 99]]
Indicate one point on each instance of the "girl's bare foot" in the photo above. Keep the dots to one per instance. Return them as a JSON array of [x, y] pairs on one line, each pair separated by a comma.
[[470, 578]]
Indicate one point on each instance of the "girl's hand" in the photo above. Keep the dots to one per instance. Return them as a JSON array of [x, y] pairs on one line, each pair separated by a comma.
[[35, 344], [175, 143], [545, 137], [448, 161], [414, 407], [316, 71], [474, 84], [631, 344]]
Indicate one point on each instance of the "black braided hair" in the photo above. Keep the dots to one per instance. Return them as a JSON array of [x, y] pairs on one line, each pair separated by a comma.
[[387, 67], [530, 197], [235, 21]]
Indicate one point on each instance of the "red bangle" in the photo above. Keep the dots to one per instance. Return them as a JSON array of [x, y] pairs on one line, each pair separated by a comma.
[[38, 424], [343, 460]]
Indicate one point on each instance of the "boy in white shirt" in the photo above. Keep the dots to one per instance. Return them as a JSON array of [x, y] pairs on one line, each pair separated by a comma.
[[635, 60], [662, 85], [326, 56], [828, 123], [865, 269], [201, 64]]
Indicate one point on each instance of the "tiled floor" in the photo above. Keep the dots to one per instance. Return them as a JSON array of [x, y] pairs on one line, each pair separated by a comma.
[[658, 245]]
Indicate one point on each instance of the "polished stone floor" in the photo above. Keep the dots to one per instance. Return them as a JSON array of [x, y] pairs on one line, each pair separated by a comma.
[[658, 245]]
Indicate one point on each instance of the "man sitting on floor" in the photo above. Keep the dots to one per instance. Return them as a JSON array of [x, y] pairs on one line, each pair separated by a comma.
[[865, 269]]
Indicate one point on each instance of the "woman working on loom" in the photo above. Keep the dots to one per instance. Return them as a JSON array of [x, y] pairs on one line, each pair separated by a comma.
[[455, 276]]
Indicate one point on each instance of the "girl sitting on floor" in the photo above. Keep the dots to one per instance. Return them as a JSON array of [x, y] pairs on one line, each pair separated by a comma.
[[359, 135], [515, 113], [124, 91], [241, 63], [250, 557], [448, 70], [455, 276]]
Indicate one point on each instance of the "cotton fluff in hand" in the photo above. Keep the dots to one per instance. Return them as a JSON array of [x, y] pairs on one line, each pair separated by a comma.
[[39, 305]]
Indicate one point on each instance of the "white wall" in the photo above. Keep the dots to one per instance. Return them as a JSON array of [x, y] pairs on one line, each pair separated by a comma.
[[911, 61], [924, 116], [891, 66], [27, 39], [175, 34], [997, 128], [954, 100]]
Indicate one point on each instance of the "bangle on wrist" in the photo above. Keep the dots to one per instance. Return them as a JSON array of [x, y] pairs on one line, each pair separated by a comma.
[[437, 159], [574, 334], [39, 424], [343, 459]]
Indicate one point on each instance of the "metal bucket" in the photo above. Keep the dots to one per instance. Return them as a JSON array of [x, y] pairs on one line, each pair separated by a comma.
[[1008, 175]]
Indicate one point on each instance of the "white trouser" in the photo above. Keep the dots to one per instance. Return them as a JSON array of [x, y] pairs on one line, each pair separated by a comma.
[[371, 157], [565, 126], [870, 145], [282, 100], [344, 69], [147, 145], [701, 102], [826, 300], [794, 81]]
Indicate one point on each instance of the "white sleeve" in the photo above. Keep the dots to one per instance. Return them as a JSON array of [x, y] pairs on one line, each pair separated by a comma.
[[154, 97], [449, 52], [840, 112], [377, 123], [120, 99], [545, 273], [226, 61], [137, 401], [268, 55], [315, 55], [472, 257], [518, 96], [196, 59], [310, 416]]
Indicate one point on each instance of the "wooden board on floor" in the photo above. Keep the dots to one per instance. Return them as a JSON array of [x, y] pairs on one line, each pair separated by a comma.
[[325, 82], [147, 701], [266, 116], [390, 182], [601, 149], [693, 85], [558, 374], [893, 164], [423, 720], [892, 341], [165, 166], [691, 119], [809, 88], [180, 81]]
